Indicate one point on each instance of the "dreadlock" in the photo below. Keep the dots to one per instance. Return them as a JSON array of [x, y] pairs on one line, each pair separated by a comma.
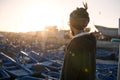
[[78, 17]]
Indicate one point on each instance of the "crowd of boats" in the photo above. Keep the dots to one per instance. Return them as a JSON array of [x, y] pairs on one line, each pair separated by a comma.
[[18, 63], [108, 43], [27, 63]]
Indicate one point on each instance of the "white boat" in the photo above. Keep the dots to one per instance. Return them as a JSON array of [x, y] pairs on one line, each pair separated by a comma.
[[100, 61], [107, 44], [110, 32]]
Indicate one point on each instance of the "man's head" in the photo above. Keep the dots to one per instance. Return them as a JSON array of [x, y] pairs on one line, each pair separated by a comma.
[[79, 18]]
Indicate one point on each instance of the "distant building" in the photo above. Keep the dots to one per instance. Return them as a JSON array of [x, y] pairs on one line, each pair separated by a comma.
[[55, 36], [1, 36]]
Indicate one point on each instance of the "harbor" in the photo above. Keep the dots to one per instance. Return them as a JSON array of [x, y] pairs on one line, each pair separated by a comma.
[[34, 56]]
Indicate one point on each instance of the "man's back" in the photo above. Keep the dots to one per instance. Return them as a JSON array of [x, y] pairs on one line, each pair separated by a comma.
[[79, 62]]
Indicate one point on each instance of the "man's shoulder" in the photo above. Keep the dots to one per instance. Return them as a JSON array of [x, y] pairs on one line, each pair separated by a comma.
[[81, 35], [84, 38]]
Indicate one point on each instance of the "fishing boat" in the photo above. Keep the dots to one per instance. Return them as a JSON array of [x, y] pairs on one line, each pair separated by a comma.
[[14, 69], [29, 78], [25, 60], [106, 71], [45, 72], [110, 32], [31, 64], [28, 62], [52, 75], [115, 40], [52, 65], [107, 44], [4, 75], [107, 54], [21, 58], [29, 59]]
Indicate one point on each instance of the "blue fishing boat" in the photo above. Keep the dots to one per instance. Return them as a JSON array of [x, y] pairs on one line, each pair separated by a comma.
[[25, 60], [14, 69], [115, 40], [28, 59], [107, 54], [54, 75], [4, 75], [29, 78], [28, 62], [45, 72], [42, 68], [106, 71], [22, 59], [52, 65]]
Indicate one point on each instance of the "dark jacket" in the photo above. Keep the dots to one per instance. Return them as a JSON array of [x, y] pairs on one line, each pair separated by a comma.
[[80, 60]]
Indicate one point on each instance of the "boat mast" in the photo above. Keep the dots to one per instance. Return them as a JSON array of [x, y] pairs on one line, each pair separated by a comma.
[[118, 76], [119, 28]]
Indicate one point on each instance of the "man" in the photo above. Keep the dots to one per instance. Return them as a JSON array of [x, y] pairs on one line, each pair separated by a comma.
[[80, 61]]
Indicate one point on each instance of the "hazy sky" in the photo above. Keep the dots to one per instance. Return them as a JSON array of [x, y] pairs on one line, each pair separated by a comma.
[[31, 15]]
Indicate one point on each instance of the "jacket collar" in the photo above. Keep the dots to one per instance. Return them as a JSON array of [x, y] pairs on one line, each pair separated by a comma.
[[80, 33]]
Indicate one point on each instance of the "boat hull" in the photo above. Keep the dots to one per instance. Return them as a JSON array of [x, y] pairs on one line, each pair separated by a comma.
[[107, 44], [4, 75], [110, 32], [14, 69]]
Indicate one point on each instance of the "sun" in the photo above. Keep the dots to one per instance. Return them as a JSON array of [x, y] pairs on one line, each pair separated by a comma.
[[37, 18]]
